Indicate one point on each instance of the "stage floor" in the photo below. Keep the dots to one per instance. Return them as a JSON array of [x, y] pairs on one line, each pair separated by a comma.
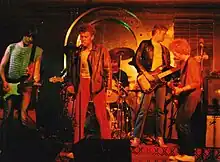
[[27, 144]]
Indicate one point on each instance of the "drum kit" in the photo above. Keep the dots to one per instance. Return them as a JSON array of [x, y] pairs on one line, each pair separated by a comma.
[[122, 105]]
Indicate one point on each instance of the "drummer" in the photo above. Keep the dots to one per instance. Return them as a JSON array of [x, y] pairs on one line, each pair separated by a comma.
[[119, 75], [120, 78]]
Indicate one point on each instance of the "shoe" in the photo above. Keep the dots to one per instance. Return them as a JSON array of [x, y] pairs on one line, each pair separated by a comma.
[[186, 158], [69, 155], [173, 158], [135, 142], [150, 138], [160, 142]]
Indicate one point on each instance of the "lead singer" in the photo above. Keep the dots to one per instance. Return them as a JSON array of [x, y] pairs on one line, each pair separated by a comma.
[[90, 77]]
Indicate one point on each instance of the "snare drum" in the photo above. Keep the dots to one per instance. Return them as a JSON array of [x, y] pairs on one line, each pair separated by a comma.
[[115, 93], [111, 117]]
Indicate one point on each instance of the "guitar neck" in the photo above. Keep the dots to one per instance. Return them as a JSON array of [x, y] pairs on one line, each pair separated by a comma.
[[168, 72]]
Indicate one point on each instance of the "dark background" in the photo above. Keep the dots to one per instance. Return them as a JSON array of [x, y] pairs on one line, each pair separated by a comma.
[[54, 17]]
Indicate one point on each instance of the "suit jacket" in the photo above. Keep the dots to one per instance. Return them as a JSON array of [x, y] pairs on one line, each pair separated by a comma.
[[99, 67]]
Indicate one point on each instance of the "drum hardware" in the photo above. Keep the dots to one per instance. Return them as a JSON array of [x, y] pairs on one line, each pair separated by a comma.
[[121, 126], [123, 52], [174, 105]]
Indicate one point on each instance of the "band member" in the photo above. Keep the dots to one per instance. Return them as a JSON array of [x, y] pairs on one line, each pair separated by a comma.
[[120, 86], [120, 79], [23, 60], [90, 76], [119, 74], [150, 55], [189, 93]]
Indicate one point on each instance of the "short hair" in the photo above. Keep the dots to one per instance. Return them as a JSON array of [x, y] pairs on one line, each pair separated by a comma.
[[87, 28], [158, 27], [180, 46]]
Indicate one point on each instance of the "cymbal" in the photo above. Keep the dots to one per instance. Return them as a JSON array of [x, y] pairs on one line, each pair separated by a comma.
[[124, 52]]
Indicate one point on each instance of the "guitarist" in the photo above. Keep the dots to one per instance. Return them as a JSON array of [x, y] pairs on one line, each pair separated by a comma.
[[190, 91], [150, 55], [23, 60]]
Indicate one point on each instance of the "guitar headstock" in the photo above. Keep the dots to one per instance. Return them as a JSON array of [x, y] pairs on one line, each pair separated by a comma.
[[56, 79]]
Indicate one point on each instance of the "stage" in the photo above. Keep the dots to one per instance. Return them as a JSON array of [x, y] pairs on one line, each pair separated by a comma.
[[33, 145]]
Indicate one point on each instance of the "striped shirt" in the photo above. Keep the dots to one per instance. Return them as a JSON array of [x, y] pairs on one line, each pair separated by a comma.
[[19, 60]]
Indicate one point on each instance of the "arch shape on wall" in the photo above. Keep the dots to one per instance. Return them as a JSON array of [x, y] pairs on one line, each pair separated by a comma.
[[125, 17], [128, 29]]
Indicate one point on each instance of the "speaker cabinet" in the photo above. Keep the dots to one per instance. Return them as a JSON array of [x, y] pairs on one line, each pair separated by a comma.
[[102, 150], [212, 131], [212, 89]]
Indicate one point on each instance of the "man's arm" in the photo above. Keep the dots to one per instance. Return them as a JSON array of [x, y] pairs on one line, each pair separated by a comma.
[[4, 62], [138, 57], [193, 78], [193, 75], [37, 67], [138, 61]]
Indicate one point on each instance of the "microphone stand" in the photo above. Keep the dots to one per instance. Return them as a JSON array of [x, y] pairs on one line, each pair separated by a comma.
[[202, 86], [121, 111]]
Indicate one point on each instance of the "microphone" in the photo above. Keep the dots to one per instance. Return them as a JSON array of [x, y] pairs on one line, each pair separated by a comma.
[[201, 44], [80, 47]]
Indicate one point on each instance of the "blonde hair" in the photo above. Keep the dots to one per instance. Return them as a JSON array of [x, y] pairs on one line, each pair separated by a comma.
[[180, 46]]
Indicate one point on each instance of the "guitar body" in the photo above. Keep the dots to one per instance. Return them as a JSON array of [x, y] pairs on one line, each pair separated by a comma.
[[17, 88], [143, 82], [17, 85], [149, 86], [13, 90]]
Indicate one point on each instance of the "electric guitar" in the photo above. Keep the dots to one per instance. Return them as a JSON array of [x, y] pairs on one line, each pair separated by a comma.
[[148, 86], [16, 86]]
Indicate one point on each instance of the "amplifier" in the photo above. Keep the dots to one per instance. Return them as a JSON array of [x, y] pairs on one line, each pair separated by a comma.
[[211, 90], [212, 131]]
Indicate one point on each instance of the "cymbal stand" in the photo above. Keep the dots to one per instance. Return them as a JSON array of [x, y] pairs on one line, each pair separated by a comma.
[[124, 112], [119, 111]]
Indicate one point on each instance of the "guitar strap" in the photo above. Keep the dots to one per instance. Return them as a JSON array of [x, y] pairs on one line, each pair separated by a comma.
[[33, 49]]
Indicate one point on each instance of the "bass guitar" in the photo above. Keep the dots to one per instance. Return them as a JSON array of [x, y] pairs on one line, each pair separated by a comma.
[[148, 86]]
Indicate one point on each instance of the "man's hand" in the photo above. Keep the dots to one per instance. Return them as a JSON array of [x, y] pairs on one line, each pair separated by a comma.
[[177, 90], [37, 84], [109, 92], [6, 87], [70, 89]]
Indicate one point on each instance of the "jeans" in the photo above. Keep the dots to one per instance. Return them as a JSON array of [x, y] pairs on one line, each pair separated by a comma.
[[158, 109]]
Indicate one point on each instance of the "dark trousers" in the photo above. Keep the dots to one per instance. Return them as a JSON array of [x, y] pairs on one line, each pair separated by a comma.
[[188, 104], [159, 112]]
